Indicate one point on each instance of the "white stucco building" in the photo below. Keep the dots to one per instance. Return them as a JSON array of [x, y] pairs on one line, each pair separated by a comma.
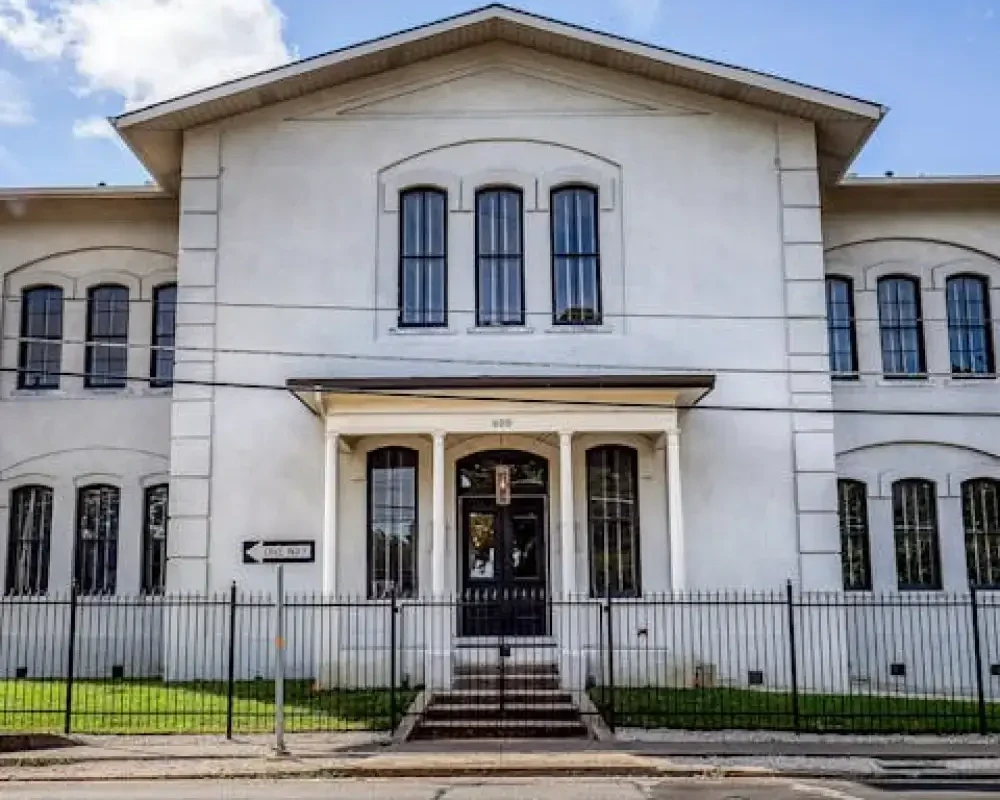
[[500, 303]]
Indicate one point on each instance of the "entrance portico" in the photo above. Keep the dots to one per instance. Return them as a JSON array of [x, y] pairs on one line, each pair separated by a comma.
[[543, 424]]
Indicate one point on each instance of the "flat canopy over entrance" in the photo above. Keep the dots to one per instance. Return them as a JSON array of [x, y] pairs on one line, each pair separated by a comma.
[[530, 396]]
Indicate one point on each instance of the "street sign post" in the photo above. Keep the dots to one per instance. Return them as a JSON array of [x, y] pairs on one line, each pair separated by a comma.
[[260, 551]]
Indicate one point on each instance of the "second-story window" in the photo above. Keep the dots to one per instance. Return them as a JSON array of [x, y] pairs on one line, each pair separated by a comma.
[[40, 354], [499, 258], [840, 324], [161, 362], [970, 337], [423, 258], [576, 257], [901, 327], [107, 337]]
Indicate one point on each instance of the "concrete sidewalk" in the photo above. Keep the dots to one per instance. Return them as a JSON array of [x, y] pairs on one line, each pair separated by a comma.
[[366, 755]]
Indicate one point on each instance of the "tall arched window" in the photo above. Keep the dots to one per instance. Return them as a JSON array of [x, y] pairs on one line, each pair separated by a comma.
[[901, 326], [840, 326], [970, 334], [915, 528], [499, 257], [613, 520], [423, 258], [40, 354], [96, 552], [154, 539], [392, 521], [981, 520], [576, 256], [29, 540], [852, 507], [107, 336], [161, 361]]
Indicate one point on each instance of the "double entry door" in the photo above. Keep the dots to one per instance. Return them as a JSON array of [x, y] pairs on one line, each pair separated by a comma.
[[503, 566]]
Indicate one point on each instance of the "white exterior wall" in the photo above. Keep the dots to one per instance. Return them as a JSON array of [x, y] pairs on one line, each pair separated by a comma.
[[695, 220]]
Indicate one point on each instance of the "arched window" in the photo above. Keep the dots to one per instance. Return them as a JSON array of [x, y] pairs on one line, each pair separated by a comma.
[[499, 257], [970, 334], [576, 256], [392, 521], [40, 353], [154, 539], [840, 326], [852, 507], [96, 552], [107, 337], [29, 540], [915, 529], [423, 258], [161, 362], [981, 520], [613, 520], [901, 327]]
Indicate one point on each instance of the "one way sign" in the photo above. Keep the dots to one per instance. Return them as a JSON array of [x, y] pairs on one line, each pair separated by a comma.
[[284, 552]]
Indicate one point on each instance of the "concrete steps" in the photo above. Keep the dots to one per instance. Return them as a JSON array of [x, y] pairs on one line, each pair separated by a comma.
[[500, 700]]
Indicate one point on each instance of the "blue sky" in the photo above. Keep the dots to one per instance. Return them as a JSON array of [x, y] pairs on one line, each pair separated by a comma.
[[64, 64]]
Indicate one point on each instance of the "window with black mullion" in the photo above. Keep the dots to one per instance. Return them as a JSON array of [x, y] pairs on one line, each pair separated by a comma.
[[107, 337], [499, 258], [901, 327], [970, 333]]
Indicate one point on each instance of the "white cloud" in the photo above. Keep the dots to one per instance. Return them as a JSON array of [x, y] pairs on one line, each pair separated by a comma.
[[14, 106], [93, 128], [147, 50], [640, 14]]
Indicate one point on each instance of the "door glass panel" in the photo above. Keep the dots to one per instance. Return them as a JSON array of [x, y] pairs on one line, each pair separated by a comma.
[[525, 544], [482, 545]]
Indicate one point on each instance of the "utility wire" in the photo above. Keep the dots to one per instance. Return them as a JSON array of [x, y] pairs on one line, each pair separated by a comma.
[[442, 395], [501, 362]]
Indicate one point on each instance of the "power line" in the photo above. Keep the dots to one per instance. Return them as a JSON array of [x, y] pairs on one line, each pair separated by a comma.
[[496, 362], [441, 395]]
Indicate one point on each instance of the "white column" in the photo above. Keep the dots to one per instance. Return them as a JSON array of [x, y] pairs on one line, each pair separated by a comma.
[[678, 578], [567, 523], [331, 495], [438, 538]]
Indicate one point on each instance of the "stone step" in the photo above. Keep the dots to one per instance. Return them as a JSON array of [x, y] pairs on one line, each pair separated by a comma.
[[499, 729], [506, 668], [522, 711], [474, 697], [518, 681]]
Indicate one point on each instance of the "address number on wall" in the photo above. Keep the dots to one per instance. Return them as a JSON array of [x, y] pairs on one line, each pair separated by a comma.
[[503, 424]]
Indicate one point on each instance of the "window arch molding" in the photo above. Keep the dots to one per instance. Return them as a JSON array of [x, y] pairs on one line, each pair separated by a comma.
[[487, 179], [397, 183], [603, 181]]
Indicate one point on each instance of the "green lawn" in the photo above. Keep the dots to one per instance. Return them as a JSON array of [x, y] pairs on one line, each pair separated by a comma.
[[158, 707], [714, 709]]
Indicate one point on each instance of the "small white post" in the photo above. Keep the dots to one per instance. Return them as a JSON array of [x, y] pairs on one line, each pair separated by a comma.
[[438, 542], [567, 523], [678, 577], [331, 494]]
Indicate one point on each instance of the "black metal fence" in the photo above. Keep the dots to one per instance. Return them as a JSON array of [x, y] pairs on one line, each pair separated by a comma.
[[852, 663]]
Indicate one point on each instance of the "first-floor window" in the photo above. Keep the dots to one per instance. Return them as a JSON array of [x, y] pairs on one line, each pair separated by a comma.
[[96, 553], [392, 522], [981, 520], [852, 507], [613, 520], [915, 528], [154, 540], [29, 539]]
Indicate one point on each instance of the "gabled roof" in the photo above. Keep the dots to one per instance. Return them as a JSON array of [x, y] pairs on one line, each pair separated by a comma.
[[843, 123]]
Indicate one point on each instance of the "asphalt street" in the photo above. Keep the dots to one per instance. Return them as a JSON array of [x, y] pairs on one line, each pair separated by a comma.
[[527, 789]]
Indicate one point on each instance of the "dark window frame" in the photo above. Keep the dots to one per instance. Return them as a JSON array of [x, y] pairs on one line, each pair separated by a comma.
[[49, 380], [986, 327], [370, 581], [516, 191], [903, 581], [856, 531], [982, 534], [413, 191], [37, 584], [597, 589], [160, 340], [594, 192], [107, 582], [898, 328], [154, 580], [851, 327], [109, 380]]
